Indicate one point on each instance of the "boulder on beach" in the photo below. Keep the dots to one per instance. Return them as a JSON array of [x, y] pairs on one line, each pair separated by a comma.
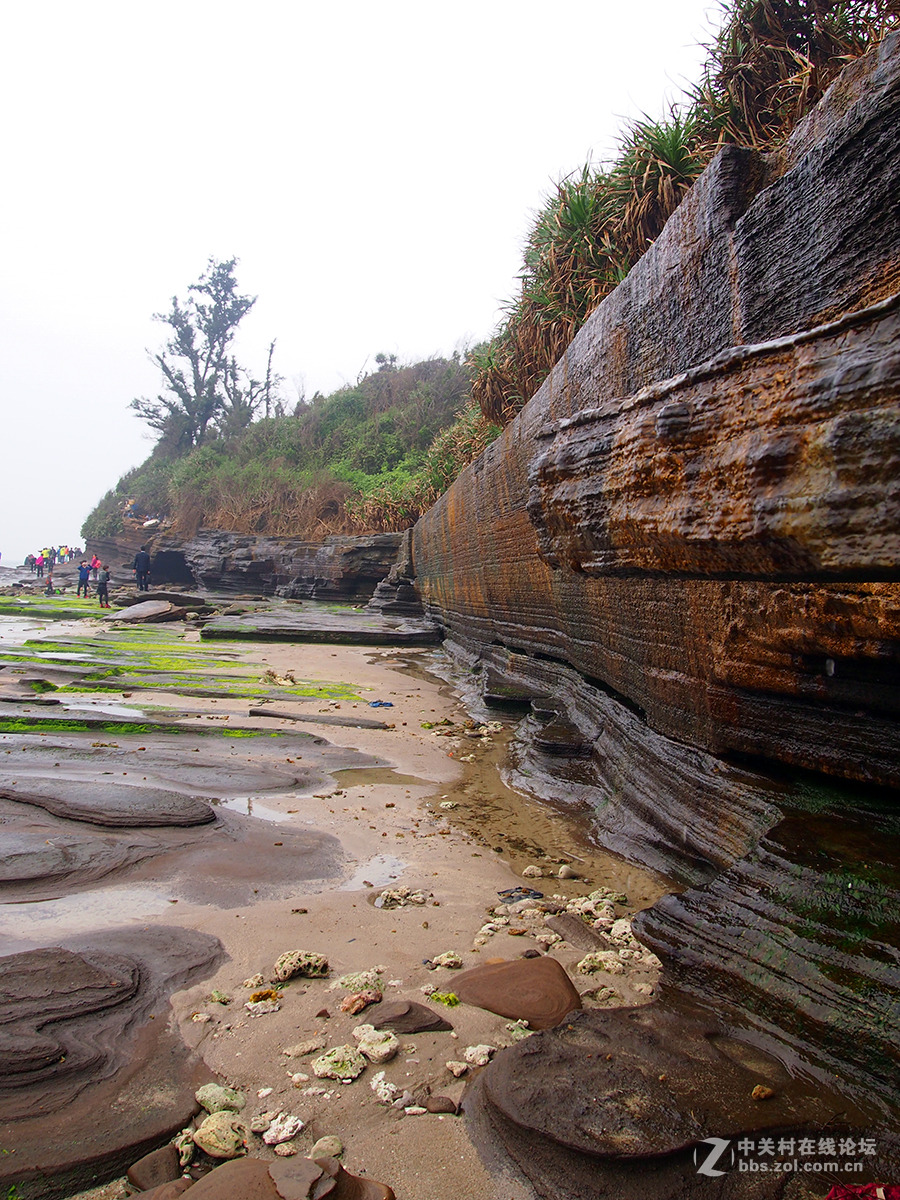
[[293, 1178], [147, 610], [536, 990], [406, 1016]]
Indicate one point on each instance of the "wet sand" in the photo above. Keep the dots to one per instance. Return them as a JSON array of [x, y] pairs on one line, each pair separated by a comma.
[[392, 828]]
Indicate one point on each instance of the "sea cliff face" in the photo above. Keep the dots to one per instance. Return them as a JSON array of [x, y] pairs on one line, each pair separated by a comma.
[[336, 568], [684, 553]]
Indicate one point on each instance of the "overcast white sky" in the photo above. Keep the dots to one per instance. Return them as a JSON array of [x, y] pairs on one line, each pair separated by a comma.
[[374, 167]]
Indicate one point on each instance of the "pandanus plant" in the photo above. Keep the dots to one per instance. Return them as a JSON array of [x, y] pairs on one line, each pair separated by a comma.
[[772, 60]]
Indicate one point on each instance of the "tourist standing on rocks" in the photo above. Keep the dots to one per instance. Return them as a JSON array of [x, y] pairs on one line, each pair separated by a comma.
[[39, 566], [103, 578], [30, 560], [142, 569], [84, 574], [95, 566]]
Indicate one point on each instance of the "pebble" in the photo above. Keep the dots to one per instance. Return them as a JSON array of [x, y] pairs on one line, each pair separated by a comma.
[[480, 1055], [285, 1149], [340, 1062], [261, 1008], [329, 1146], [378, 1046], [448, 959], [356, 1002], [300, 962], [215, 1097], [222, 1135], [361, 981], [283, 1128], [385, 1092]]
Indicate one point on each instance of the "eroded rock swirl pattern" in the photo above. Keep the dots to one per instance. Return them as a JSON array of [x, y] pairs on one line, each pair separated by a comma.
[[683, 554]]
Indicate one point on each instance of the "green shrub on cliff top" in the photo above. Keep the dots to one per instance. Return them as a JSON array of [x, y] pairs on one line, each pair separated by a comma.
[[770, 63]]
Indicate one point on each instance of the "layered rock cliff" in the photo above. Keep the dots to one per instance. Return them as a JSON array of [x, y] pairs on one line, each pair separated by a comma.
[[337, 568], [685, 552]]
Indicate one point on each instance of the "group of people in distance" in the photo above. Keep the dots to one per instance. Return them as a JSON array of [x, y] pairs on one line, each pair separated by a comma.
[[49, 557], [88, 571]]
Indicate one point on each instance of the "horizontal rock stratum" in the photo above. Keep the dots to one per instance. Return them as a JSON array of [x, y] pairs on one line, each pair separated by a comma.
[[684, 554]]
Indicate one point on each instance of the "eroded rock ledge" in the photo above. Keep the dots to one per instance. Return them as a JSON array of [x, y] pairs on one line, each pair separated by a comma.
[[682, 556], [335, 568]]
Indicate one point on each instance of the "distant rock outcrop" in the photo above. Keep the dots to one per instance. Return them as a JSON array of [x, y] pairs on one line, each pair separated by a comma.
[[335, 568]]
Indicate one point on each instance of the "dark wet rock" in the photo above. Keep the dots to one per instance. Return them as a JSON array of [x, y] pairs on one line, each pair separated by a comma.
[[79, 828], [650, 1082], [336, 568], [800, 939], [109, 804], [563, 738], [536, 990], [147, 610], [350, 627], [158, 1167], [294, 1178], [30, 856], [168, 1191], [249, 1179], [649, 1085], [78, 1039], [406, 1016], [442, 1104]]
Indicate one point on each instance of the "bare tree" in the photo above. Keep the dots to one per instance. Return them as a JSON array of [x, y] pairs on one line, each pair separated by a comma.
[[194, 362]]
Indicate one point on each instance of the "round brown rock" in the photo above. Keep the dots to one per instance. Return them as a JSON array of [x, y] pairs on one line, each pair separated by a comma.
[[536, 990]]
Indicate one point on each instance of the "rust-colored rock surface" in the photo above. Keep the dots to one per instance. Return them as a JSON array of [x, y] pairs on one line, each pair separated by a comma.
[[536, 990], [699, 510], [684, 556]]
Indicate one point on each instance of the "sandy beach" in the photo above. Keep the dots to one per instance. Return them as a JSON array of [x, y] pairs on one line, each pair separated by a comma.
[[436, 817]]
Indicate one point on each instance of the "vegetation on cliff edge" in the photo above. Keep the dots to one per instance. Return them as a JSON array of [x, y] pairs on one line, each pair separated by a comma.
[[375, 455]]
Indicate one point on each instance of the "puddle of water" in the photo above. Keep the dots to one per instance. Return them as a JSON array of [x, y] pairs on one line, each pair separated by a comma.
[[105, 707], [378, 871], [362, 776], [16, 631], [43, 922], [249, 806]]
